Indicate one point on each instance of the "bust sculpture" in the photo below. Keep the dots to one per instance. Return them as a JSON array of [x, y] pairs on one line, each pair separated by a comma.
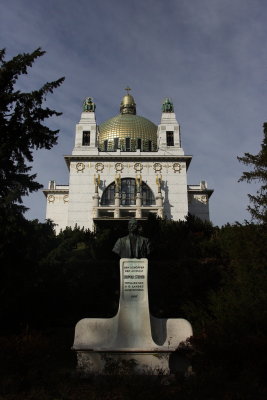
[[133, 245]]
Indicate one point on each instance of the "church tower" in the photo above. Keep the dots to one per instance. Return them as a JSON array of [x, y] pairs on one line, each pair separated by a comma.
[[126, 167]]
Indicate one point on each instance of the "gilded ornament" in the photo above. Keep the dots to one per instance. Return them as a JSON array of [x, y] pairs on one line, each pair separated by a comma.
[[51, 198], [158, 182], [138, 182], [99, 167], [138, 167], [117, 183], [204, 199], [157, 167], [97, 179], [119, 167], [177, 167], [80, 167]]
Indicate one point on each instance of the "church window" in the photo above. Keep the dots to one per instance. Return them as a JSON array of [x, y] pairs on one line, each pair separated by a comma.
[[149, 145], [86, 138], [116, 143], [139, 144], [170, 138], [128, 144], [128, 194], [105, 145]]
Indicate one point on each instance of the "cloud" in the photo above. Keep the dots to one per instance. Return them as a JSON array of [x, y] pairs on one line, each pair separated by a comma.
[[208, 56]]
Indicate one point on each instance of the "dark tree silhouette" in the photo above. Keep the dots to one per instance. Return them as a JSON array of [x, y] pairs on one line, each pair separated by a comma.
[[22, 131], [258, 208]]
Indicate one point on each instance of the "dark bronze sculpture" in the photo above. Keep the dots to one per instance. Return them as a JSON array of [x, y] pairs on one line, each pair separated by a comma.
[[88, 105], [167, 105], [133, 245]]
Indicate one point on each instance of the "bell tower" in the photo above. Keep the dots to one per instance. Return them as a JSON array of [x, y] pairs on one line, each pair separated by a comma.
[[86, 129], [169, 130]]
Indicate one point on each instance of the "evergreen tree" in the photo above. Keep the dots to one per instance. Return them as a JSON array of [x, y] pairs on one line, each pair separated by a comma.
[[258, 209], [22, 131]]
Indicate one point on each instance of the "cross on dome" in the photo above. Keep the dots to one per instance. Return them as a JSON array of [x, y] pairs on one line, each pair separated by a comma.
[[127, 89]]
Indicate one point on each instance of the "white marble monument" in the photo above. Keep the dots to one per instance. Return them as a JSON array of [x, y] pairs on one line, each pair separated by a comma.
[[133, 341]]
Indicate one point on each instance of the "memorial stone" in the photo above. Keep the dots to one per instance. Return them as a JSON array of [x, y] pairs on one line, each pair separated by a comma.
[[132, 335]]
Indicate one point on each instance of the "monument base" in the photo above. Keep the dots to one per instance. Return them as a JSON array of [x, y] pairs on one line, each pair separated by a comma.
[[123, 363], [131, 363], [133, 341]]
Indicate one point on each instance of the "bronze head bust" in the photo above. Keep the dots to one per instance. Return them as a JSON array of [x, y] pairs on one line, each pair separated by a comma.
[[133, 245]]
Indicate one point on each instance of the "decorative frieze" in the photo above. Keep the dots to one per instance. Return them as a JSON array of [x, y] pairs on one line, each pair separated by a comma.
[[119, 167], [202, 198], [80, 167], [99, 167], [157, 167], [177, 167], [51, 198], [138, 167]]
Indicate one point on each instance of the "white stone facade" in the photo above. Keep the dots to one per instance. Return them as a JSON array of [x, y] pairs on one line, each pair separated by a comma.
[[91, 172]]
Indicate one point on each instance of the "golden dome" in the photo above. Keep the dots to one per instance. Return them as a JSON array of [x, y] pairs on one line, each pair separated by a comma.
[[127, 131]]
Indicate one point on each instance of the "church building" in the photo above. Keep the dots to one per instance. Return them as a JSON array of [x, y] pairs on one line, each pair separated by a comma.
[[126, 167]]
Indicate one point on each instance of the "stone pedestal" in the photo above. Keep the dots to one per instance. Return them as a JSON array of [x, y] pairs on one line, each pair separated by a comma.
[[133, 341]]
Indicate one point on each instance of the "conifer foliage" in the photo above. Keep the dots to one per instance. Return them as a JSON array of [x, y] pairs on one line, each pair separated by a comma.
[[258, 208], [22, 130]]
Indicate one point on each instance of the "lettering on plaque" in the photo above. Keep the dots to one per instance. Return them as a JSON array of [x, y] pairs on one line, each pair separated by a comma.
[[134, 280]]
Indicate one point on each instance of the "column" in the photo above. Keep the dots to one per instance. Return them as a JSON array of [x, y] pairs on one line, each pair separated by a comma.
[[138, 197], [117, 196], [96, 197], [159, 198]]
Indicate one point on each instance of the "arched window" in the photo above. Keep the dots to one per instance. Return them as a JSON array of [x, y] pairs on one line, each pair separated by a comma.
[[128, 194]]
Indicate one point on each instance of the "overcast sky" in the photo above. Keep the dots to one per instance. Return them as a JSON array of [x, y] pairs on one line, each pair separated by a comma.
[[209, 56]]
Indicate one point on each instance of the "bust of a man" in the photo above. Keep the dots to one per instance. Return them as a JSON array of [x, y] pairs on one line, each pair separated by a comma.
[[133, 245]]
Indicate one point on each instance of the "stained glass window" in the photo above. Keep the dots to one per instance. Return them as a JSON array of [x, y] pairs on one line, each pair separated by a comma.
[[128, 194]]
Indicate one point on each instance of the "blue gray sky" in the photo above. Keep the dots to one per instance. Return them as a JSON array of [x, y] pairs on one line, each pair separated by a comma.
[[209, 56]]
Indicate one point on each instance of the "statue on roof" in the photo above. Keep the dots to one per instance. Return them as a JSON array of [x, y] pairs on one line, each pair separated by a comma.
[[167, 105], [88, 105]]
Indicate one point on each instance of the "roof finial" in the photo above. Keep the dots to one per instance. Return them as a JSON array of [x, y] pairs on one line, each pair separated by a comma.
[[128, 105]]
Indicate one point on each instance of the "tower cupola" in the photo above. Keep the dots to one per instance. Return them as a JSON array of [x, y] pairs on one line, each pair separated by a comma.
[[128, 105]]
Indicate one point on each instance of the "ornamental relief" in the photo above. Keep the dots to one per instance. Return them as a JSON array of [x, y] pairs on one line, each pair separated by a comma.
[[201, 198], [80, 167], [157, 167], [138, 167], [176, 167], [204, 199], [51, 198], [66, 198], [119, 167], [99, 167]]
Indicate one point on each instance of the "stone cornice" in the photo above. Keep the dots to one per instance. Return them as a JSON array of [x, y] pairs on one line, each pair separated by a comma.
[[129, 157], [46, 192], [200, 191]]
